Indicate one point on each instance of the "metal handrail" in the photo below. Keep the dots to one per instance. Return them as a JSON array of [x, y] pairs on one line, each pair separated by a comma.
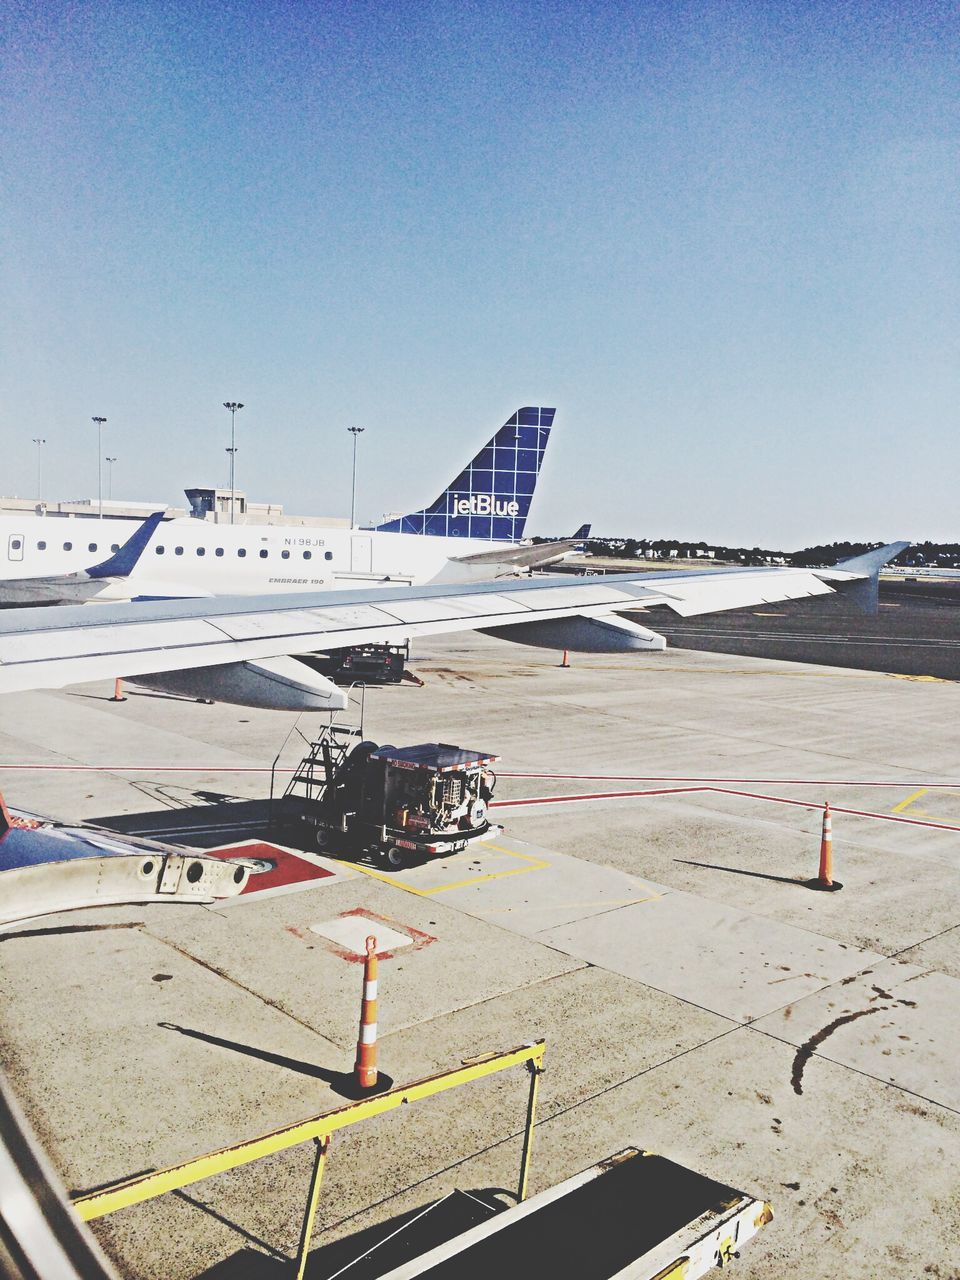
[[319, 1129]]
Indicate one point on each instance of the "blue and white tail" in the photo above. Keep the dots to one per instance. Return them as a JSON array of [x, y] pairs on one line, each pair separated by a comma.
[[490, 498]]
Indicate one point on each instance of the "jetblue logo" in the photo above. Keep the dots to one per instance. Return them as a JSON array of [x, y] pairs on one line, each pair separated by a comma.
[[485, 504]]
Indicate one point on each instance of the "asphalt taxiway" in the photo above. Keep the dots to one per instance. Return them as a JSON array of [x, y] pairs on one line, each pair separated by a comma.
[[915, 631], [645, 910]]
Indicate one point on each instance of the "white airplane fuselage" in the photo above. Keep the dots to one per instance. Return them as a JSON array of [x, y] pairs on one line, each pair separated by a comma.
[[189, 557]]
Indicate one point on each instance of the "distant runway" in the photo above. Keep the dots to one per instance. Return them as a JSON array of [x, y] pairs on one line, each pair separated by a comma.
[[917, 631]]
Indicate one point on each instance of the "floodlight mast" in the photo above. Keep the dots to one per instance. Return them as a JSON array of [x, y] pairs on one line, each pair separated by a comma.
[[99, 422], [39, 441], [355, 432], [233, 406]]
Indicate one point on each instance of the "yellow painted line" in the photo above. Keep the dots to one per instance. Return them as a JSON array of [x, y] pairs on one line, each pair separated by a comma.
[[538, 865], [922, 813], [905, 804], [397, 884], [894, 675]]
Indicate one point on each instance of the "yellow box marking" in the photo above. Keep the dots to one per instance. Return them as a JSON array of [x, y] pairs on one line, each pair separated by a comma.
[[538, 864], [905, 804], [911, 800]]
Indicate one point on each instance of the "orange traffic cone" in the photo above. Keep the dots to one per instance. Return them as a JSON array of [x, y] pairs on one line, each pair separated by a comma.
[[825, 878], [365, 1066], [118, 691], [566, 659]]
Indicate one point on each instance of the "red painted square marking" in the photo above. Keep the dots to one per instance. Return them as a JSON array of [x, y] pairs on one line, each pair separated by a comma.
[[289, 869], [418, 939]]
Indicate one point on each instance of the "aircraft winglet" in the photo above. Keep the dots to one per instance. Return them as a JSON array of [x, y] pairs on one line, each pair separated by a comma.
[[872, 561], [864, 589], [123, 562]]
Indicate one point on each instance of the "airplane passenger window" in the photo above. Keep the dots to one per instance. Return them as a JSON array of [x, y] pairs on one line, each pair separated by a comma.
[[307, 555], [178, 551], [91, 546], [16, 544], [159, 550], [284, 555], [115, 546], [68, 546], [241, 552], [41, 546], [219, 551], [201, 551], [263, 555], [328, 555]]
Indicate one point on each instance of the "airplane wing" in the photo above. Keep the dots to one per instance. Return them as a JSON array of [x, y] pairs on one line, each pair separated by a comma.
[[523, 556], [53, 647]]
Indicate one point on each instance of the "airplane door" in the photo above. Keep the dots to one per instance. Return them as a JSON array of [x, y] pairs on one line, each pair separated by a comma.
[[15, 546], [361, 555]]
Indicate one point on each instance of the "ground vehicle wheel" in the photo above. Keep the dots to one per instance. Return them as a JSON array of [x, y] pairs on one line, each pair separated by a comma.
[[395, 857], [321, 838]]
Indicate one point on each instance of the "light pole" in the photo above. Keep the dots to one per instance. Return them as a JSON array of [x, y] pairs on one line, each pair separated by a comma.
[[109, 462], [354, 431], [99, 422], [39, 441], [233, 406]]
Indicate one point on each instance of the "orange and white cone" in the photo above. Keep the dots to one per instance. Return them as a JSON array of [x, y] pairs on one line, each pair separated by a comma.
[[825, 878], [566, 658], [118, 691], [365, 1066]]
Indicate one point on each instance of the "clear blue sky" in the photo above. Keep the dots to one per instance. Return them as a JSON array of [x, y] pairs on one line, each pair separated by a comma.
[[722, 238]]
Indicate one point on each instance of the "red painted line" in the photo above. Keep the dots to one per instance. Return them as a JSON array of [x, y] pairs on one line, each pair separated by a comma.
[[750, 795], [857, 813], [756, 782], [596, 795], [502, 773], [153, 768]]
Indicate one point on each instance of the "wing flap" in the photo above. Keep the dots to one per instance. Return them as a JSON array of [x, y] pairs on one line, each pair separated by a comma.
[[707, 595]]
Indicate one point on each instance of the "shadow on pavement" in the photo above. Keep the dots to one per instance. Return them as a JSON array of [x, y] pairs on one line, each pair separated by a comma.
[[370, 1253], [200, 819]]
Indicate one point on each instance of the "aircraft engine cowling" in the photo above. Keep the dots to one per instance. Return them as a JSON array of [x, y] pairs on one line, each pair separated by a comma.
[[276, 684], [611, 634]]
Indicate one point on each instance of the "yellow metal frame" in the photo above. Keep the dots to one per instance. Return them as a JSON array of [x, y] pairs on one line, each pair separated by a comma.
[[320, 1129]]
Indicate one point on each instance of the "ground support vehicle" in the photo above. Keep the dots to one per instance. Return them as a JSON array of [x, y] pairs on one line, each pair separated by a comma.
[[363, 663], [397, 803]]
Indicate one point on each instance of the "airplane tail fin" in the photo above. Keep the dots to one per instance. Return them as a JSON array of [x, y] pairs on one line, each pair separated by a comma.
[[582, 534], [490, 498], [122, 562]]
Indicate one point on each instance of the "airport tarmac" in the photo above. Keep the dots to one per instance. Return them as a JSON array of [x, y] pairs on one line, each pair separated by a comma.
[[645, 910], [915, 631]]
